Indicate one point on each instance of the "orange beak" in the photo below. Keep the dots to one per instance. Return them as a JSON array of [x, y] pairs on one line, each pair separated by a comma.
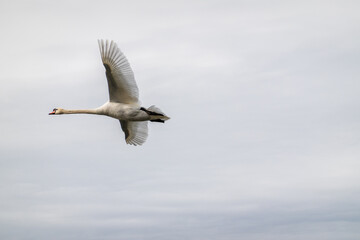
[[53, 112]]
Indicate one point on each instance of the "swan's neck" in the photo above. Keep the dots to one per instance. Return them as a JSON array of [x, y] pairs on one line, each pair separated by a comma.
[[81, 111]]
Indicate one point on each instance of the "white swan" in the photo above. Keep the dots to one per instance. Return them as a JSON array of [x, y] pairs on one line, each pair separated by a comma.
[[124, 97]]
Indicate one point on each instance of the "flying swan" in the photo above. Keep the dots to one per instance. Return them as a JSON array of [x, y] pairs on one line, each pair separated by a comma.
[[124, 103]]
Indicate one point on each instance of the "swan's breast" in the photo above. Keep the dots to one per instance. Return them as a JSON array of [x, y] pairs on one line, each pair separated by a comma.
[[115, 110]]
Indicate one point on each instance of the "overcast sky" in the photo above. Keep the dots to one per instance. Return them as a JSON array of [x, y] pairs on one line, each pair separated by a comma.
[[263, 141]]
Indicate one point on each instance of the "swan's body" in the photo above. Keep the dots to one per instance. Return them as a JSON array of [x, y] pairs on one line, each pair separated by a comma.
[[124, 103]]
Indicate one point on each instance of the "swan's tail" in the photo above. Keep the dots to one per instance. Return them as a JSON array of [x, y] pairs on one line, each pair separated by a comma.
[[156, 115]]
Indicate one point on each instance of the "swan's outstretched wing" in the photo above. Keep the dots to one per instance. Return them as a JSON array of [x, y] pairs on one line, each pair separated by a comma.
[[120, 77], [135, 132]]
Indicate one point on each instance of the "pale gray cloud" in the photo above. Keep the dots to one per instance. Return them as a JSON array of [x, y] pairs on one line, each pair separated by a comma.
[[264, 137]]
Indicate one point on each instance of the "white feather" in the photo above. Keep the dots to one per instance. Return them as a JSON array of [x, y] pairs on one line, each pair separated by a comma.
[[138, 132], [121, 80]]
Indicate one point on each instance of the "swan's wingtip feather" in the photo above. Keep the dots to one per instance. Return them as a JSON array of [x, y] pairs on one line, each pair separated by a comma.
[[138, 133]]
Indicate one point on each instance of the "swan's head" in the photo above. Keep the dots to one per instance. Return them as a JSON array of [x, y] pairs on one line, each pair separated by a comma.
[[56, 111]]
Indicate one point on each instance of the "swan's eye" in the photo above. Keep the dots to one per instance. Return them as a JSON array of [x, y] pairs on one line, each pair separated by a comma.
[[54, 109]]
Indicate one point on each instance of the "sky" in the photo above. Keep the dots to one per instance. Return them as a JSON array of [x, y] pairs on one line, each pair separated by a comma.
[[263, 141]]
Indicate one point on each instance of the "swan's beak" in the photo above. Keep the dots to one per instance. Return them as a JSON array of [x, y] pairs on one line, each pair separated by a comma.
[[53, 112]]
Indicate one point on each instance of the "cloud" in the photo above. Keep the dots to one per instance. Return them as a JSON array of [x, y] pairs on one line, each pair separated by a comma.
[[262, 140]]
